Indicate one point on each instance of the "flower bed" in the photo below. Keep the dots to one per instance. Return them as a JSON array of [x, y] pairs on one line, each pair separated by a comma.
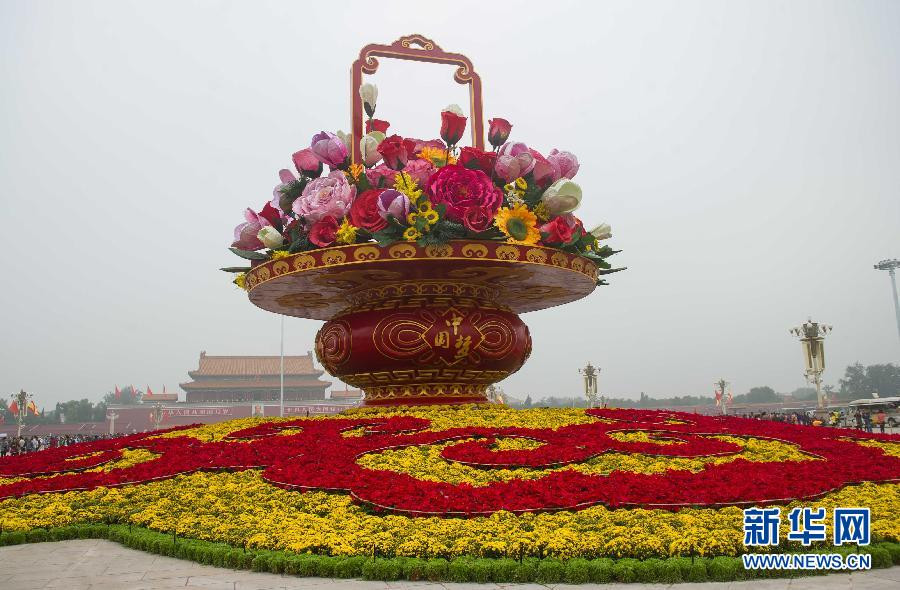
[[460, 482]]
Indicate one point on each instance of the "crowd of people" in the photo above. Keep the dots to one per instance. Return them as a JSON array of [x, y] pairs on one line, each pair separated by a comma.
[[28, 444], [859, 419]]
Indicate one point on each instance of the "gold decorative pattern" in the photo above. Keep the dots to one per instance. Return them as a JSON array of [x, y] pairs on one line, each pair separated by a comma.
[[402, 251], [281, 267], [304, 261], [507, 253], [333, 257], [425, 390], [442, 251], [473, 250], [333, 344], [560, 259], [432, 375], [366, 253], [536, 255]]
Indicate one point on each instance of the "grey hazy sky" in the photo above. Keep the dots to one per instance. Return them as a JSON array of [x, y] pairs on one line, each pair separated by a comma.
[[747, 155]]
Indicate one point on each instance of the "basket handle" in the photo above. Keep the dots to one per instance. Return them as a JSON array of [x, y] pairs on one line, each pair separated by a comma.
[[428, 51]]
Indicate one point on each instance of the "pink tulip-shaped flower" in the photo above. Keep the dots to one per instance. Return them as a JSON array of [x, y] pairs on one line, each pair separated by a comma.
[[245, 235], [566, 161], [513, 160], [395, 203], [329, 148], [545, 171], [330, 195]]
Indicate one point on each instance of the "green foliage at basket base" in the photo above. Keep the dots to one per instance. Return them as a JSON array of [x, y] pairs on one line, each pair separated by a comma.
[[462, 569]]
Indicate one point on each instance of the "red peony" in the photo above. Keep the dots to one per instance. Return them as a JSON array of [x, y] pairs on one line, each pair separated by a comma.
[[396, 151], [476, 159], [377, 125], [477, 219], [498, 131], [452, 127], [561, 229], [459, 188], [323, 232], [364, 211]]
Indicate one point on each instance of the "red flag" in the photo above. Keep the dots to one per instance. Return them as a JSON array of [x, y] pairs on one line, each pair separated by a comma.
[[149, 391], [118, 393], [32, 408], [14, 408], [718, 397]]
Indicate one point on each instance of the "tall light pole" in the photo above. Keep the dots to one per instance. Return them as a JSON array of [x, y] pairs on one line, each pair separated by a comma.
[[721, 384], [890, 266], [591, 375], [157, 414], [812, 338], [21, 399]]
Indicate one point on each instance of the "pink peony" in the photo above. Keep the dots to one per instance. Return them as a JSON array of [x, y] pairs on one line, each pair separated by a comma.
[[566, 162], [459, 188], [329, 148], [330, 195]]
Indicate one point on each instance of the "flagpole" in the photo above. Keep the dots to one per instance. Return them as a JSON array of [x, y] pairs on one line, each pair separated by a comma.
[[282, 368]]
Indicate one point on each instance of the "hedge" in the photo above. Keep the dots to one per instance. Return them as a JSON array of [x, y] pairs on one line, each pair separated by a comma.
[[462, 569]]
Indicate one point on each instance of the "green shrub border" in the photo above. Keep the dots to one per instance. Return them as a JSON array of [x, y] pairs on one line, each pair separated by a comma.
[[462, 569]]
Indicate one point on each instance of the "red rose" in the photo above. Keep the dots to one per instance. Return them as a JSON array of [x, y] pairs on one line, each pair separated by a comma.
[[476, 159], [498, 131], [364, 211], [452, 127], [477, 219], [460, 188], [323, 232], [377, 125], [560, 230], [396, 151]]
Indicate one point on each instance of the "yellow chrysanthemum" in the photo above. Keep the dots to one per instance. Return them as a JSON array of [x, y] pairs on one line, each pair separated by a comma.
[[519, 224], [411, 234], [407, 185], [541, 212], [241, 280], [354, 171], [436, 156], [279, 254], [346, 234]]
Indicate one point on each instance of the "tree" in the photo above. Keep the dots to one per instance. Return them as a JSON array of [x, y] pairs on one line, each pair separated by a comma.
[[758, 395], [861, 382], [129, 395], [804, 393]]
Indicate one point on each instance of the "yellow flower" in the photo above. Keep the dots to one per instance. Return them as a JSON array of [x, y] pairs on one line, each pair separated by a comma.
[[279, 254], [411, 234], [521, 184], [411, 217], [424, 206], [519, 225], [241, 280], [540, 211], [346, 234], [437, 156], [431, 216], [354, 172], [407, 185]]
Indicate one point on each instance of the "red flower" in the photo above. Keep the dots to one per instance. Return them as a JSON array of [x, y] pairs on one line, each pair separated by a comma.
[[498, 131], [377, 125], [452, 127], [364, 211], [476, 159], [323, 232], [561, 230], [460, 188], [477, 219], [396, 151]]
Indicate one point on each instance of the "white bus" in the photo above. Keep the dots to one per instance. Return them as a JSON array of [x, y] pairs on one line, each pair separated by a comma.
[[890, 405]]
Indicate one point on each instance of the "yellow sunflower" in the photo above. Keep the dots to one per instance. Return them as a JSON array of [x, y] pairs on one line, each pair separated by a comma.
[[436, 156], [411, 234], [519, 224]]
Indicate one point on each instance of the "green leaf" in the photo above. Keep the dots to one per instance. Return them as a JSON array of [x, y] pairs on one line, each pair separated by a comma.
[[235, 268], [249, 254]]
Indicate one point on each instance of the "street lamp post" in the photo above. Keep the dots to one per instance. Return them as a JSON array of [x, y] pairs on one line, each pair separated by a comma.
[[591, 375], [721, 384], [891, 266], [112, 415], [157, 415], [21, 399], [812, 338]]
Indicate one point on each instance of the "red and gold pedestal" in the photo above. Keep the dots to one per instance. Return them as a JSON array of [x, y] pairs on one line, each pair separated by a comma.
[[421, 325]]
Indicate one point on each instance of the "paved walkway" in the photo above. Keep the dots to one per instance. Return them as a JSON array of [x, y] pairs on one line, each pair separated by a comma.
[[100, 564]]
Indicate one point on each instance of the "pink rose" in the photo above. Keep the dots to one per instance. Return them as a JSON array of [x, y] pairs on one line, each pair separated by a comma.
[[329, 195], [565, 161], [381, 176], [459, 188], [329, 148], [307, 163]]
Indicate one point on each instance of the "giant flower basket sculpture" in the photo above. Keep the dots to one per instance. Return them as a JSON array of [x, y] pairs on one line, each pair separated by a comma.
[[420, 255]]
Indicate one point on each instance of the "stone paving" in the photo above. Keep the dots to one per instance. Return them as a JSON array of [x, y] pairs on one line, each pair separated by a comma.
[[103, 565]]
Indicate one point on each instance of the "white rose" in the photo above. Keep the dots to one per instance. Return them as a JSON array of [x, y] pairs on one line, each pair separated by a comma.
[[270, 236], [368, 147], [454, 108], [561, 197], [602, 231]]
